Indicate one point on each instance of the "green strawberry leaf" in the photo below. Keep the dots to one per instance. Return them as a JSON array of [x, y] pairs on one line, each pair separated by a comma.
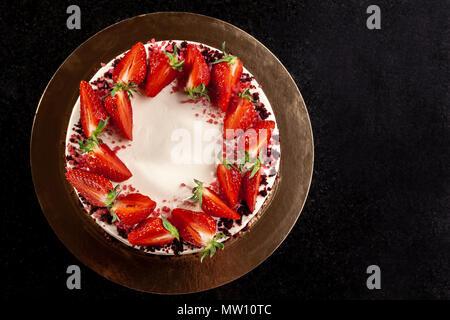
[[171, 228]]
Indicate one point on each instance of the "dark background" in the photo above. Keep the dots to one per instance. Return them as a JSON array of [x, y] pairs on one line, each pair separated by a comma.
[[379, 106]]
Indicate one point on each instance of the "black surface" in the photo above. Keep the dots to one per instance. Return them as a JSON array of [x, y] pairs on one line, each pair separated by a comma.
[[379, 107]]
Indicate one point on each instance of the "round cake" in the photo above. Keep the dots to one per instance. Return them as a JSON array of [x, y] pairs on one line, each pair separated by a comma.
[[173, 148]]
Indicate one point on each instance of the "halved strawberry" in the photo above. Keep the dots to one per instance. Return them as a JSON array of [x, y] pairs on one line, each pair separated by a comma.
[[95, 188], [152, 232], [118, 106], [250, 184], [133, 208], [196, 73], [101, 159], [133, 66], [256, 137], [199, 229], [230, 181], [91, 109], [163, 69], [225, 74], [240, 116], [211, 203]]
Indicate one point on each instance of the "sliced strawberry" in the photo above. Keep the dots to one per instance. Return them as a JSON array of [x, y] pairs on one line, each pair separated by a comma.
[[101, 159], [196, 73], [133, 66], [250, 187], [256, 137], [118, 106], [230, 181], [133, 208], [91, 109], [211, 203], [150, 232], [199, 229], [225, 74], [95, 188], [163, 68], [240, 116]]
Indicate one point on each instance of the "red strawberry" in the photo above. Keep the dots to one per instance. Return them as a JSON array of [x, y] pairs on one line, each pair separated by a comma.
[[240, 116], [133, 208], [211, 203], [230, 181], [95, 188], [225, 74], [91, 109], [250, 184], [101, 159], [163, 69], [152, 232], [118, 106], [196, 72], [133, 66], [257, 137], [197, 228]]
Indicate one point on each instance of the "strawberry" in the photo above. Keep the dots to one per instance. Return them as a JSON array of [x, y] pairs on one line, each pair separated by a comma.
[[257, 137], [153, 232], [118, 106], [132, 67], [91, 109], [196, 73], [250, 184], [133, 208], [101, 159], [95, 188], [225, 74], [230, 181], [240, 116], [163, 69], [211, 203], [199, 229]]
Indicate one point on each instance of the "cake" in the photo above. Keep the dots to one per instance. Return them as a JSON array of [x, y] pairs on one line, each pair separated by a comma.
[[172, 148]]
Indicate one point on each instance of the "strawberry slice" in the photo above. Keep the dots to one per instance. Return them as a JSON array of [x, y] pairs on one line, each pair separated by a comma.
[[95, 188], [118, 106], [250, 184], [257, 137], [133, 66], [133, 208], [199, 229], [196, 73], [225, 74], [153, 232], [163, 69], [230, 181], [101, 159], [240, 116], [91, 109], [211, 203]]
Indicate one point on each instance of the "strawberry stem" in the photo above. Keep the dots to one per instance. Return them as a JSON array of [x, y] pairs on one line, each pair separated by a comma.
[[228, 57], [130, 89], [90, 143], [212, 245], [197, 192], [246, 95], [200, 90], [173, 59], [112, 195], [257, 165], [226, 162], [171, 228]]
